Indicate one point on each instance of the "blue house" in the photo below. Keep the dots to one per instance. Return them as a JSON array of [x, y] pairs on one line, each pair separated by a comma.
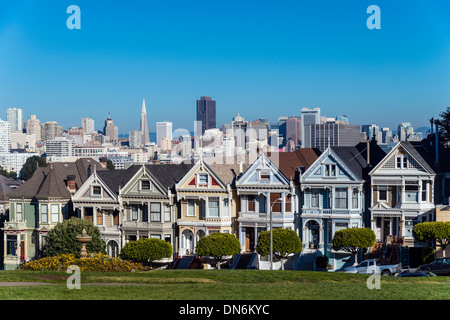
[[334, 196]]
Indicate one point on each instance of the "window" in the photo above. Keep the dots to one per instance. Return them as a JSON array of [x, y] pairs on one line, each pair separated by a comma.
[[355, 199], [330, 170], [155, 212], [315, 198], [190, 208], [401, 162], [167, 212], [251, 203], [134, 212], [340, 198], [424, 190], [44, 213], [264, 175], [226, 213], [382, 193], [203, 178], [96, 190], [99, 217], [145, 213], [116, 218], [213, 204], [11, 245], [145, 185], [55, 213], [19, 213]]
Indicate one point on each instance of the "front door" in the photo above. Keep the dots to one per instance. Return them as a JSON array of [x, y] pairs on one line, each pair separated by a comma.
[[22, 250], [249, 239]]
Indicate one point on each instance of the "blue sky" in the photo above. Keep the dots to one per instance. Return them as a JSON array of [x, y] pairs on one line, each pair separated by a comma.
[[263, 59]]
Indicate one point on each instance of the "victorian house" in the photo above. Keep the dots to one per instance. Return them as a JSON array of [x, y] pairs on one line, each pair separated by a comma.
[[97, 201], [334, 197], [264, 191], [37, 205], [207, 202], [149, 204], [405, 187]]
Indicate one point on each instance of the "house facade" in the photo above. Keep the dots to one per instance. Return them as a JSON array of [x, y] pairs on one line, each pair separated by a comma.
[[37, 205], [207, 204], [402, 193], [334, 193]]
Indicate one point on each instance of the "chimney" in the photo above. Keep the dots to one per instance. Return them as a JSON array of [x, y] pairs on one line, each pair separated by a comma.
[[71, 186], [241, 168], [103, 162]]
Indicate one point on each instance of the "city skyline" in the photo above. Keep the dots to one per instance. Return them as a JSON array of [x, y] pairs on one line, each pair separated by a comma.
[[263, 60]]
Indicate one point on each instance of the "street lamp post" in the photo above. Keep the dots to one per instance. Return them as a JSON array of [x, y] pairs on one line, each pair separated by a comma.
[[271, 233]]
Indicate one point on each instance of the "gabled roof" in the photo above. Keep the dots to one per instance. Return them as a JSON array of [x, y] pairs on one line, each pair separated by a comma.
[[356, 157], [51, 181], [426, 149], [229, 173], [116, 179], [290, 163], [169, 174]]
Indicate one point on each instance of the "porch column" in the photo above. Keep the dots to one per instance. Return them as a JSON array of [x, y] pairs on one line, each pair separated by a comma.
[[283, 202], [256, 236], [332, 197], [349, 198]]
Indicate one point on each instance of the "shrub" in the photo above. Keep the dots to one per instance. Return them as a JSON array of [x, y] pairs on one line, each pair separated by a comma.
[[96, 262], [285, 243], [146, 250], [62, 238], [353, 240], [218, 245]]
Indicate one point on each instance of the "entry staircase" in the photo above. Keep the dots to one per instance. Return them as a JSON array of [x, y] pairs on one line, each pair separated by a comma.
[[307, 260], [184, 262]]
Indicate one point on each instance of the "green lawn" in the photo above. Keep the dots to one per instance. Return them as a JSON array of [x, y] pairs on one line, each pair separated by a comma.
[[221, 285]]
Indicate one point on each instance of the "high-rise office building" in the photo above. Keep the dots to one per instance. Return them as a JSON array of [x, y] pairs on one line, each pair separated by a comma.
[[15, 117], [33, 126], [110, 131], [163, 130], [135, 139], [52, 130], [308, 117], [144, 125], [331, 134], [293, 130], [88, 125], [206, 115], [4, 136]]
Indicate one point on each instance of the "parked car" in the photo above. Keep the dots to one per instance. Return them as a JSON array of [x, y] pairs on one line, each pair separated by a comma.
[[372, 266], [440, 267], [416, 274]]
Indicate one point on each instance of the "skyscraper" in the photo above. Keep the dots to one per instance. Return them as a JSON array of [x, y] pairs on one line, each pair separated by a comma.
[[33, 126], [14, 117], [4, 136], [163, 130], [309, 117], [110, 131], [88, 125], [144, 125], [206, 115]]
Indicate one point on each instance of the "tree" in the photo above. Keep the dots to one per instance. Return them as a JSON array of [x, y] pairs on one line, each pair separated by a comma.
[[285, 243], [438, 230], [146, 250], [31, 165], [218, 245], [444, 126], [61, 239], [353, 240]]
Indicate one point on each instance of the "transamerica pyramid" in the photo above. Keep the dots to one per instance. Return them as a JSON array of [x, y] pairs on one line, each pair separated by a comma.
[[144, 125]]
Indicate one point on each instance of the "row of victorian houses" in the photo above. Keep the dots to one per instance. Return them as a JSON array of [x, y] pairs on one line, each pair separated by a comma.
[[313, 193]]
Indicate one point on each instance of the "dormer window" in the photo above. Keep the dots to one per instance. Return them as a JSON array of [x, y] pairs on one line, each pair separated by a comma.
[[264, 175], [96, 190], [203, 178], [401, 162], [330, 170], [145, 185]]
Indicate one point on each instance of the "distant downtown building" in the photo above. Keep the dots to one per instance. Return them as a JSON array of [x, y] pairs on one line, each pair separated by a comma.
[[5, 139], [33, 126], [332, 134], [110, 131], [15, 118], [144, 125], [88, 125], [308, 117], [206, 115], [163, 130]]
